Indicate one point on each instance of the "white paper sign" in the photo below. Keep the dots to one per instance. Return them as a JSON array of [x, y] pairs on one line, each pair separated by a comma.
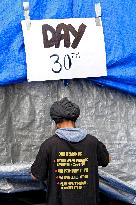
[[64, 49]]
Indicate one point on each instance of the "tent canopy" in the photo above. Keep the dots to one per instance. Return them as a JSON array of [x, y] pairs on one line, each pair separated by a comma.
[[119, 24]]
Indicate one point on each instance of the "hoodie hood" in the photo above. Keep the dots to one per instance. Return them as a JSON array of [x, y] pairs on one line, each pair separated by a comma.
[[71, 134]]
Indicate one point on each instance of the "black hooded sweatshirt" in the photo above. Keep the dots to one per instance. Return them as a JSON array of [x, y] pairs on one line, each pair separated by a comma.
[[71, 170]]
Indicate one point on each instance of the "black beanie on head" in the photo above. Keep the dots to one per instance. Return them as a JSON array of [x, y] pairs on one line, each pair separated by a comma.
[[64, 110]]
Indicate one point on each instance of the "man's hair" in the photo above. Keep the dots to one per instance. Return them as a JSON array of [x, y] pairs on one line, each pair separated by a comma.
[[64, 110]]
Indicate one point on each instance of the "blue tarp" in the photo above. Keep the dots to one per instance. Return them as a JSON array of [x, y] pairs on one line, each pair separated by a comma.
[[119, 22]]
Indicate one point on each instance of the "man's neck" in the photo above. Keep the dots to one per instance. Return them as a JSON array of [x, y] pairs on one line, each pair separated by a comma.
[[66, 124]]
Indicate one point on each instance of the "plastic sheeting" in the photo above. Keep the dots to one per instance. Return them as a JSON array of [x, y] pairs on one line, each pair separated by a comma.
[[25, 123], [119, 24], [17, 179]]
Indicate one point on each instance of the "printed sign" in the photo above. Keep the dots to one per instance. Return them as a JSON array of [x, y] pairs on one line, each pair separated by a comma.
[[64, 49], [72, 170]]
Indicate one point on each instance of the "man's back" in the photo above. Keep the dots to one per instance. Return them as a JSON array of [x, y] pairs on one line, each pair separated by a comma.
[[71, 170]]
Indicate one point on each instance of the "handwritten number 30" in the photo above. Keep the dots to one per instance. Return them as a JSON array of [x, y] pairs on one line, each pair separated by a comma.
[[59, 64]]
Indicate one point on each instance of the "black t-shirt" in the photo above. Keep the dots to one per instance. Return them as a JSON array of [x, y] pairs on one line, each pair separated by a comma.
[[70, 169]]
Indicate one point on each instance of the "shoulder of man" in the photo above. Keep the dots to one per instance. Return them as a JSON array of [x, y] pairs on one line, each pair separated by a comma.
[[48, 142], [91, 138]]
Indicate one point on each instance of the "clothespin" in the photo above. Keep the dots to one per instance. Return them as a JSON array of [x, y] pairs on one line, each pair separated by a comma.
[[98, 14], [26, 14]]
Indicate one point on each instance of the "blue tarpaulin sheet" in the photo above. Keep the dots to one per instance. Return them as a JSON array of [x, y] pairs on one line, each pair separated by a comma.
[[119, 23]]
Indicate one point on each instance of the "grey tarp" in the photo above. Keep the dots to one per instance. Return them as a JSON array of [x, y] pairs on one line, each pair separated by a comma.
[[25, 123]]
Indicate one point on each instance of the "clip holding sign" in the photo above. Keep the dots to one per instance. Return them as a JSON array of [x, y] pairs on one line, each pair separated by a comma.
[[26, 14], [98, 14]]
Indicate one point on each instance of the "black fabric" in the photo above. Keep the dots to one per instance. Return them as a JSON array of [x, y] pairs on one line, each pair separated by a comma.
[[64, 109], [71, 170]]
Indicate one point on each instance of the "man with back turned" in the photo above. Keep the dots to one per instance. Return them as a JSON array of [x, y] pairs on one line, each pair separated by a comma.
[[68, 161]]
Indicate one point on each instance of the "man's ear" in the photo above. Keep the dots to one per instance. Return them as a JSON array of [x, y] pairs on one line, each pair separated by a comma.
[[58, 125]]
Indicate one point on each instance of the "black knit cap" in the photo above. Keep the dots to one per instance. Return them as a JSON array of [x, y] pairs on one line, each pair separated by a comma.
[[64, 110]]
